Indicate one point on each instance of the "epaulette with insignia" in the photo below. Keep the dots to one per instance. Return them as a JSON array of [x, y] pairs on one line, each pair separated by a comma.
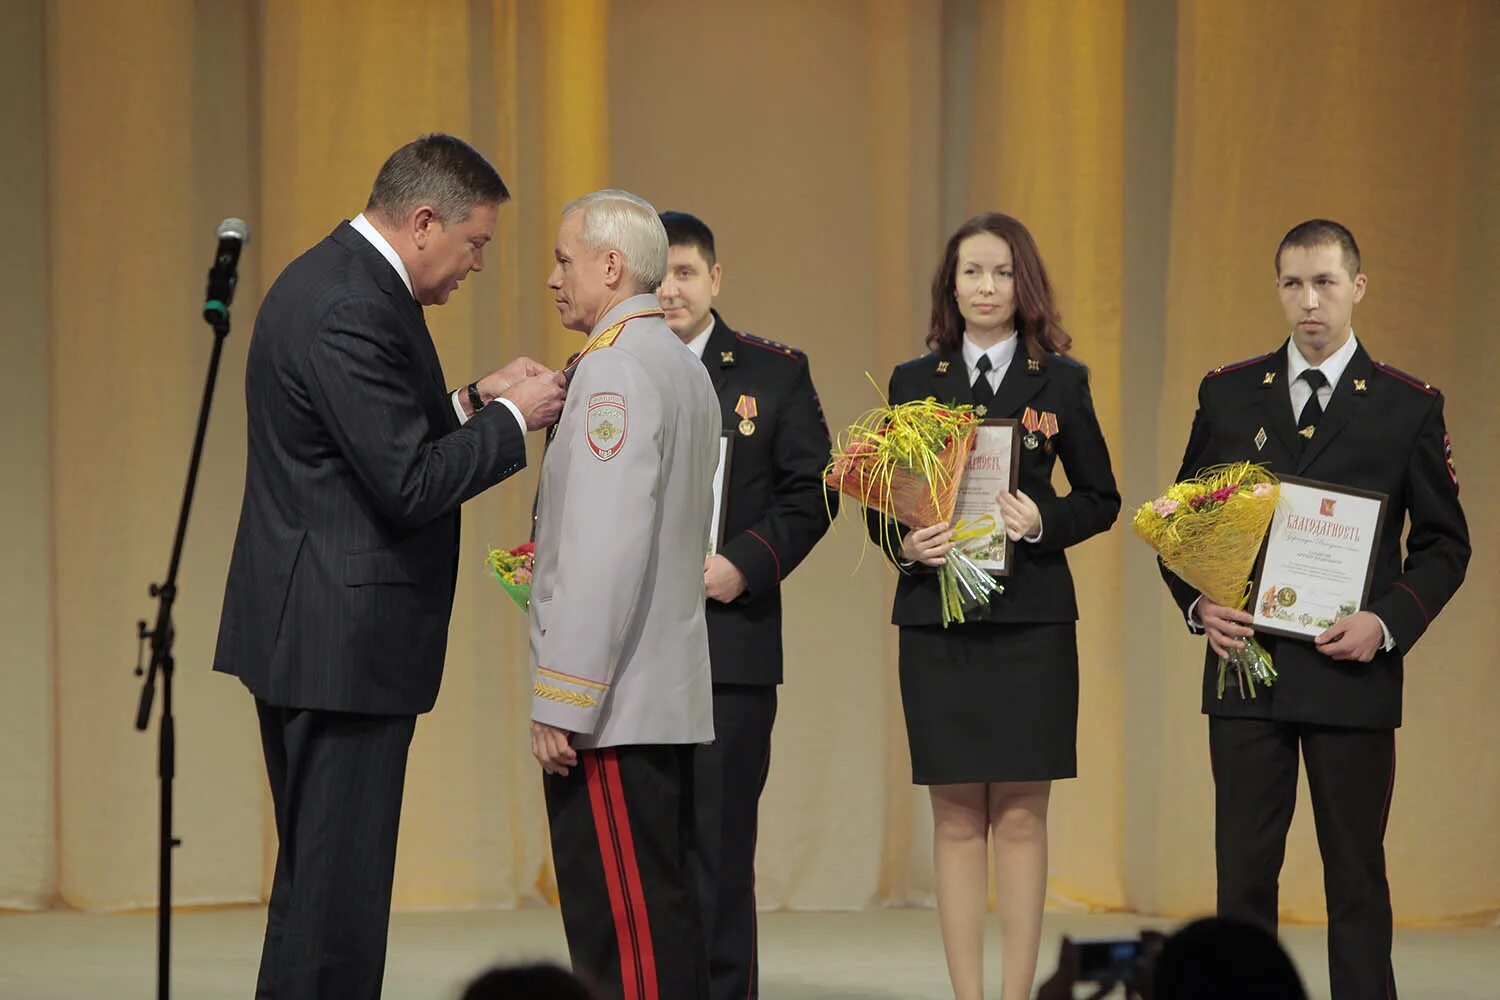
[[1239, 364], [769, 345], [1402, 376]]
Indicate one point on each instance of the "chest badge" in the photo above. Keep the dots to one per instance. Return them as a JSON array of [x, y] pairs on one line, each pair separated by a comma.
[[1260, 439], [748, 410]]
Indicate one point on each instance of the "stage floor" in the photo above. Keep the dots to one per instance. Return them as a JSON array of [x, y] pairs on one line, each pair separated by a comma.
[[870, 955]]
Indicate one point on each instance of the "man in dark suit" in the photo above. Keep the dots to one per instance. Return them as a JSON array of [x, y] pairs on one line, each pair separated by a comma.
[[1317, 407], [775, 514], [341, 581]]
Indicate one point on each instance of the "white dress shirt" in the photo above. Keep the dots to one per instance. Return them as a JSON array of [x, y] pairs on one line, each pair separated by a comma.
[[362, 225], [1000, 358], [700, 343], [1332, 368]]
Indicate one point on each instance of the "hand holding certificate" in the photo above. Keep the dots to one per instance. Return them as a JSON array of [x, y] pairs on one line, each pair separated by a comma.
[[908, 461], [992, 467], [1319, 558]]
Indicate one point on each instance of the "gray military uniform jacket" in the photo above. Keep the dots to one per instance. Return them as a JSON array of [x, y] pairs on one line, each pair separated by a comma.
[[619, 648]]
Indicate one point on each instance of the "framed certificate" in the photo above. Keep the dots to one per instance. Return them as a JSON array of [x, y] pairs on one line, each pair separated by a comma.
[[994, 465], [1318, 558], [721, 492]]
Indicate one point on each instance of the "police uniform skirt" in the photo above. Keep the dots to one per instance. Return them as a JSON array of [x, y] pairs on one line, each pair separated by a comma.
[[990, 702]]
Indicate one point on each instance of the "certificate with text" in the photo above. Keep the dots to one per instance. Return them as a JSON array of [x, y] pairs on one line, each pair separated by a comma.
[[721, 493], [993, 465], [1319, 557]]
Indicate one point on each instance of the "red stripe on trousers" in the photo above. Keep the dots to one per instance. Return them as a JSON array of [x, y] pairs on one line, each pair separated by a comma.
[[635, 895], [608, 854]]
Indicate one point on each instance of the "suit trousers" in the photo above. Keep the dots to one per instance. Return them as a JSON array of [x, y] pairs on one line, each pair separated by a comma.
[[730, 774], [622, 834], [336, 784], [1350, 776]]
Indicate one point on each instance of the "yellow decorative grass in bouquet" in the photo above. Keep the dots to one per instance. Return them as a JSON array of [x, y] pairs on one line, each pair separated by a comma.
[[906, 461], [1208, 530]]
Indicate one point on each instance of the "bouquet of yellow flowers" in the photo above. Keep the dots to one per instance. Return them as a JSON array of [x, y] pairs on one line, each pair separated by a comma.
[[906, 461], [1208, 531], [512, 567]]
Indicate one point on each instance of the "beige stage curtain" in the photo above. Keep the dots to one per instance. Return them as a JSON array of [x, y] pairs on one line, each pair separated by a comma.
[[1157, 149]]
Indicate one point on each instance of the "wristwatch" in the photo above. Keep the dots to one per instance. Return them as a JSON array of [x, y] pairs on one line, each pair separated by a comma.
[[475, 402]]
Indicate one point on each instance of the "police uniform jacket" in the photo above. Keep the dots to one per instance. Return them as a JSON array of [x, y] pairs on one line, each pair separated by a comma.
[[1382, 431], [619, 648], [1039, 587], [776, 509]]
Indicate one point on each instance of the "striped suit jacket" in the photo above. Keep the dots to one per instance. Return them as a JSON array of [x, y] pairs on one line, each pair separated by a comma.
[[341, 580]]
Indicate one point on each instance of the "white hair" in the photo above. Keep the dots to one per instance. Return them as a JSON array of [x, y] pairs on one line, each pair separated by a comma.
[[624, 222]]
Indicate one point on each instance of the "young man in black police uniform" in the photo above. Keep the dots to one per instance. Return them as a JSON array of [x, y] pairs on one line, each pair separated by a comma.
[[775, 514], [1317, 407]]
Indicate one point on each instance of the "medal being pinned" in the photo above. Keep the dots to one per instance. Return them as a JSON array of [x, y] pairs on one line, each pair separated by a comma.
[[748, 411]]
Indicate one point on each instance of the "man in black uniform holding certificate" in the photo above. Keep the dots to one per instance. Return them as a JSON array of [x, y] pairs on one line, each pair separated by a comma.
[[1317, 407], [775, 513]]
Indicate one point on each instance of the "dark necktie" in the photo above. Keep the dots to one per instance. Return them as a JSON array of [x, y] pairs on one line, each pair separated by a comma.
[[1312, 410], [983, 394]]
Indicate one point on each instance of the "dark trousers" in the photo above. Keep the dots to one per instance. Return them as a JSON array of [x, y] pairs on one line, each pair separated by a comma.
[[622, 833], [336, 782], [729, 775], [1350, 776]]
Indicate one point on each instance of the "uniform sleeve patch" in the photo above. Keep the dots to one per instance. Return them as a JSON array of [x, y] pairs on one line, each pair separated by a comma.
[[1448, 458], [606, 424]]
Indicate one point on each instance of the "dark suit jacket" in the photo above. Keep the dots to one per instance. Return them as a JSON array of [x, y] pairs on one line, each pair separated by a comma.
[[341, 581], [1039, 587], [776, 511], [1383, 431]]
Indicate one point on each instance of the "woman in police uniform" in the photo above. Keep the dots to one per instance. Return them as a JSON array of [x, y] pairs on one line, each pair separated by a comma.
[[992, 704]]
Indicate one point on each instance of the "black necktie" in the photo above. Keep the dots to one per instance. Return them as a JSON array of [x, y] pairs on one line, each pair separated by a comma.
[[983, 394], [1312, 410]]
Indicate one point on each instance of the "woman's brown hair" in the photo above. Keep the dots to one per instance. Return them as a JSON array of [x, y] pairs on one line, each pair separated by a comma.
[[1036, 317]]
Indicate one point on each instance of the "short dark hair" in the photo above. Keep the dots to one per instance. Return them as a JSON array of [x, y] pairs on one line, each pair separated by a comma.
[[1321, 233], [1037, 321], [536, 981], [438, 170], [1226, 959], [684, 230]]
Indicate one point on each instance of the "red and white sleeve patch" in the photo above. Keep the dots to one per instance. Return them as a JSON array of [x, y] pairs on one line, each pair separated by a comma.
[[606, 424]]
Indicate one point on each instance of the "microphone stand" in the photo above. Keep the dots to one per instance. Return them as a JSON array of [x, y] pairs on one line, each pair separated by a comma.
[[161, 636]]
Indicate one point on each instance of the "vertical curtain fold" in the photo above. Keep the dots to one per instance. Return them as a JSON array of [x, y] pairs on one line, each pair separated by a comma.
[[1158, 149]]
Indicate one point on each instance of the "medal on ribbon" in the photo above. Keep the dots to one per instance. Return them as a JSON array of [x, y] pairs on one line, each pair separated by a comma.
[[748, 411], [1048, 427], [1032, 421]]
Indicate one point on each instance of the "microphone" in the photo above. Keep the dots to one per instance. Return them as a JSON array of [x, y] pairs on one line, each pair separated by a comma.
[[233, 235]]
